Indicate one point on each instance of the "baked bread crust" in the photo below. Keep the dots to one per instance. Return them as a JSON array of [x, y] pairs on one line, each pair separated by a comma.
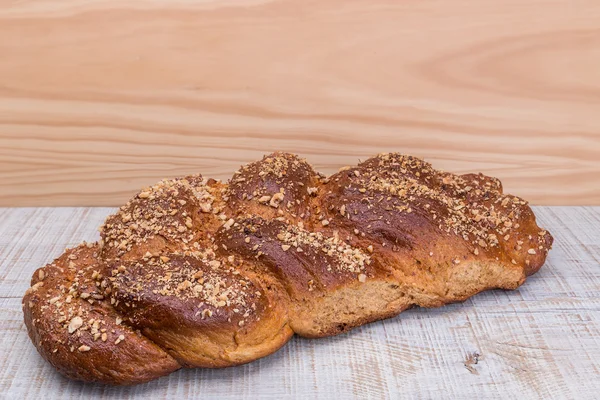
[[196, 273]]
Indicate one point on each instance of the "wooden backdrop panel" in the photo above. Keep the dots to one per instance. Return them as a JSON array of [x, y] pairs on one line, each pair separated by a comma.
[[100, 97]]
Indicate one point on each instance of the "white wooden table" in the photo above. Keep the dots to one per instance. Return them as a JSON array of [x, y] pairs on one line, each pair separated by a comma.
[[542, 340]]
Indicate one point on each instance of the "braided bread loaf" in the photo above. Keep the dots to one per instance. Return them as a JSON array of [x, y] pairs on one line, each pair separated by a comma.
[[198, 273]]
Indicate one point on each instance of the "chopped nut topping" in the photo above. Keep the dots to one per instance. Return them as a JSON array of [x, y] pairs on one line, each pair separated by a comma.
[[229, 223], [347, 258], [75, 324], [276, 199], [84, 348], [264, 199]]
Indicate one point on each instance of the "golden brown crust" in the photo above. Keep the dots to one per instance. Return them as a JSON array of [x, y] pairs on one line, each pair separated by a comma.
[[280, 185], [72, 324], [197, 273], [207, 311]]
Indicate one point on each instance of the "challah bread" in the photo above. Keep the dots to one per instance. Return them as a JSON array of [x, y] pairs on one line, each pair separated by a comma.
[[198, 273]]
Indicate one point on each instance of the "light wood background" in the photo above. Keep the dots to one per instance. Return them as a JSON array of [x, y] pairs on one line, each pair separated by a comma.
[[100, 97], [541, 341]]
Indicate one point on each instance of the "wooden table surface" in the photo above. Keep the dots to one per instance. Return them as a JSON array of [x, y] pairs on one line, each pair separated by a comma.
[[101, 97], [540, 341]]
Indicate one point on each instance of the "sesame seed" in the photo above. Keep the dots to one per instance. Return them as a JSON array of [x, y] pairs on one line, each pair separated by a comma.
[[84, 348], [531, 251]]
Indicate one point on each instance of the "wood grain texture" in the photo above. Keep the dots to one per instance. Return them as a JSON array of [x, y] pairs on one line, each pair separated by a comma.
[[101, 97], [540, 341]]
